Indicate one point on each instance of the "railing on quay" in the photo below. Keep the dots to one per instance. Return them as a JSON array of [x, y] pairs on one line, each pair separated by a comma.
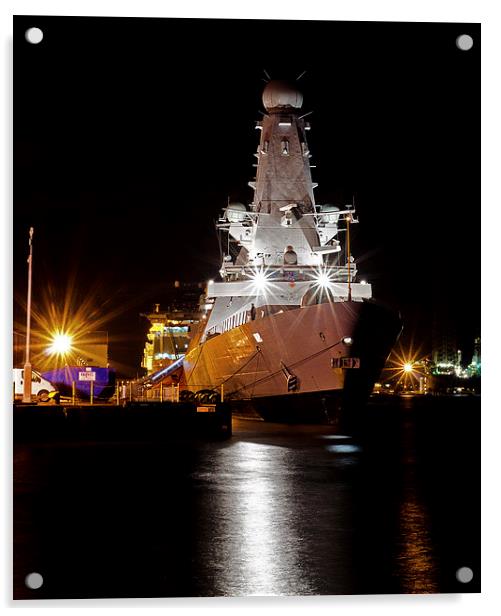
[[133, 391], [136, 392]]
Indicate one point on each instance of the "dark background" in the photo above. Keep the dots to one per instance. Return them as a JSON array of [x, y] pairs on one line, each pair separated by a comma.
[[131, 134]]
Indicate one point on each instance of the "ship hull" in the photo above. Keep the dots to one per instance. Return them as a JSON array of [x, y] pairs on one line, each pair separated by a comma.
[[256, 362], [301, 408]]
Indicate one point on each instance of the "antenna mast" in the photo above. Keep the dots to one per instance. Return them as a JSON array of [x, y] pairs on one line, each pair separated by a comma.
[[348, 220]]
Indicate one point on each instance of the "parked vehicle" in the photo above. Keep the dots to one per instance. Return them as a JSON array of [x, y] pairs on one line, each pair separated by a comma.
[[40, 387]]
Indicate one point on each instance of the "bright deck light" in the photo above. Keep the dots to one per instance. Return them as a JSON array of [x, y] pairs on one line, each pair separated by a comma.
[[323, 280], [408, 367], [61, 344], [259, 280], [348, 340]]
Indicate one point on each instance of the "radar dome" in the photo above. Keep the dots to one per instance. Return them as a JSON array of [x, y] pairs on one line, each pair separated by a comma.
[[279, 94], [329, 213], [236, 212]]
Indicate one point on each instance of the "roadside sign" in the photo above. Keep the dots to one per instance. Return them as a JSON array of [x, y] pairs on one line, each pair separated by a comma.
[[87, 376]]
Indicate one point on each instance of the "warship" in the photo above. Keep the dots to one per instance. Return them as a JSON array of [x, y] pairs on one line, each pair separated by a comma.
[[288, 333]]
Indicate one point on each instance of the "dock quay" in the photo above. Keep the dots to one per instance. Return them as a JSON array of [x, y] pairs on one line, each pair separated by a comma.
[[133, 421]]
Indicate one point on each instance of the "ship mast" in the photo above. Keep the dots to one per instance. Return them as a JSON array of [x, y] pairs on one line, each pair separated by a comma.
[[284, 241], [348, 251]]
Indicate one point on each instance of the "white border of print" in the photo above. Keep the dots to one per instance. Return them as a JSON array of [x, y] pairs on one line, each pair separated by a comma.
[[484, 11]]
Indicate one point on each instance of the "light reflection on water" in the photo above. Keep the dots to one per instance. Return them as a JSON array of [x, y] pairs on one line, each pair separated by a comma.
[[343, 448], [416, 564], [276, 510], [280, 520], [277, 527], [268, 544]]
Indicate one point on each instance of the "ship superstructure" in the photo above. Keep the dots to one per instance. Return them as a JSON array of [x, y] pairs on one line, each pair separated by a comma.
[[288, 319]]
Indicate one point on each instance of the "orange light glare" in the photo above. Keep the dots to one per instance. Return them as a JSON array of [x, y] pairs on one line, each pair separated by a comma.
[[61, 344]]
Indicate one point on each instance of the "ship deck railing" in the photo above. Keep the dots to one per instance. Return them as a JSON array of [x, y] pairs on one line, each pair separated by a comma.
[[309, 271]]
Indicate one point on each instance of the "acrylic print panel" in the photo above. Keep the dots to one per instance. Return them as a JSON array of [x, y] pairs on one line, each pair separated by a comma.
[[245, 383]]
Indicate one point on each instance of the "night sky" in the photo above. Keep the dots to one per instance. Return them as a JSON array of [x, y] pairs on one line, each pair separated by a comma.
[[131, 134]]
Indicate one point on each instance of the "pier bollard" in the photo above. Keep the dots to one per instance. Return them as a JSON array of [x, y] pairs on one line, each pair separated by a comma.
[[73, 392], [92, 392]]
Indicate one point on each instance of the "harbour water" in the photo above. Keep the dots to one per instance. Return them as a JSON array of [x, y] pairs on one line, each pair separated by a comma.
[[275, 510]]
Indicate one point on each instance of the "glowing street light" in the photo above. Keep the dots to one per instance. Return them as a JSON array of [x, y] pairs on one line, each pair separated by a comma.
[[408, 367], [61, 344]]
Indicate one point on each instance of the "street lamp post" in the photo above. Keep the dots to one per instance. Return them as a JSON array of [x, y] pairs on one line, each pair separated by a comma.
[[27, 365]]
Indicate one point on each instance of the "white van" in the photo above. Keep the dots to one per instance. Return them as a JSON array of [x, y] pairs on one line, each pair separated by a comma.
[[40, 388]]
